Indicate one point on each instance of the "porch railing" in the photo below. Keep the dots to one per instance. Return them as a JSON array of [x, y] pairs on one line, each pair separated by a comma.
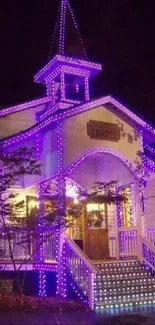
[[113, 246], [147, 256], [49, 245], [128, 242], [24, 245], [81, 271]]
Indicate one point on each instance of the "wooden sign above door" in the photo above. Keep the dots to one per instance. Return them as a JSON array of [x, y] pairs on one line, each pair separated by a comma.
[[103, 131]]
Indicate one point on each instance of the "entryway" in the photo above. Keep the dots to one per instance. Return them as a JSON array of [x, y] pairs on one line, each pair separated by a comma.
[[96, 241]]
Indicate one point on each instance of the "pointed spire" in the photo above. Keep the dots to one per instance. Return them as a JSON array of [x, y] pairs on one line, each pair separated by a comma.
[[61, 31], [63, 5]]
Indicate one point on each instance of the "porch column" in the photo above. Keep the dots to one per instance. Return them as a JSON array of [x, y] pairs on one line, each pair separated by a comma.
[[60, 244], [61, 202], [42, 274], [118, 221], [139, 217]]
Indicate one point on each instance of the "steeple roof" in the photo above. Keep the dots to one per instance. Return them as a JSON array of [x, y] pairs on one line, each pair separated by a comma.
[[66, 38]]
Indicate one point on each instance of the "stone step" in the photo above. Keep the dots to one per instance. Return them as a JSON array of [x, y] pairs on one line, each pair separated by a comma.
[[127, 269], [124, 282], [128, 290], [113, 296], [118, 264], [134, 275], [124, 290], [125, 298], [133, 303]]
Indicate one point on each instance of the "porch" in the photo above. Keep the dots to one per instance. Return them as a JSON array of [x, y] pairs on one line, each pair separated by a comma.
[[77, 254], [88, 278]]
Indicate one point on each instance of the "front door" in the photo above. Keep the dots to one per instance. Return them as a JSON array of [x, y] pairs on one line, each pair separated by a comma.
[[96, 243]]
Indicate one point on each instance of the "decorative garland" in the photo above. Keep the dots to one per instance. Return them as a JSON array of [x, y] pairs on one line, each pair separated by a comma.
[[92, 223]]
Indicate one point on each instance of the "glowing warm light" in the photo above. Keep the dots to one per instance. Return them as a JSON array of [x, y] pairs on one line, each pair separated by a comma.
[[94, 207], [76, 201], [33, 204], [71, 191]]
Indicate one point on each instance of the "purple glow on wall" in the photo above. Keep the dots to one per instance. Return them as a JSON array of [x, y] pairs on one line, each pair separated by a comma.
[[85, 155], [74, 111], [21, 107]]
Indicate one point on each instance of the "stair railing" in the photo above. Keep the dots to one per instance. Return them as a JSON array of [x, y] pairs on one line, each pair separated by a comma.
[[150, 235], [147, 255], [81, 272]]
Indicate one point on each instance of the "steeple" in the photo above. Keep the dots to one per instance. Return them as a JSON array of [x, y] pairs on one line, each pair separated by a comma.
[[67, 77], [66, 37]]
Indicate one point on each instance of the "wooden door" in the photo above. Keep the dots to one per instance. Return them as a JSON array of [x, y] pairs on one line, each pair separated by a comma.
[[96, 242]]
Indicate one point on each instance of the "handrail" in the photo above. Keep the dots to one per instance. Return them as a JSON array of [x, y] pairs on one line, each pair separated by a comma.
[[150, 235], [148, 243], [127, 228], [82, 272], [82, 255], [149, 246]]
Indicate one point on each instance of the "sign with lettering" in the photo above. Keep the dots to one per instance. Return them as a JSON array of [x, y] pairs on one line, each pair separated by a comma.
[[103, 131]]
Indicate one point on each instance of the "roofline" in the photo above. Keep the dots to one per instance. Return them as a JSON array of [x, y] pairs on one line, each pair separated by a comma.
[[21, 107], [74, 111], [68, 60]]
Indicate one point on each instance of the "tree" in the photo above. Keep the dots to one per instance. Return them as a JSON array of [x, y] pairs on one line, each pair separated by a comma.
[[104, 192], [13, 166], [16, 229]]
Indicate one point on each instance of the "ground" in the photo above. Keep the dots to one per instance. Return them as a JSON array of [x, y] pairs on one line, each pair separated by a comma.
[[80, 318]]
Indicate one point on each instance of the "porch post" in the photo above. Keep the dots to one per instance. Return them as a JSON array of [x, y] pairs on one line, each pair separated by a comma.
[[60, 243], [118, 225], [139, 218], [60, 233], [42, 274]]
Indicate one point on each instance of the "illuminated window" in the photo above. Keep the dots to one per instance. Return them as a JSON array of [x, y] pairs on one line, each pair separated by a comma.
[[126, 207]]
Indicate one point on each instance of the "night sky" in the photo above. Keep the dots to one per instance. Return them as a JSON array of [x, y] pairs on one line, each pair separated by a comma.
[[118, 33]]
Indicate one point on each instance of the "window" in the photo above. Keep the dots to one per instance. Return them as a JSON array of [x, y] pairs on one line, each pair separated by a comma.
[[74, 87], [126, 207]]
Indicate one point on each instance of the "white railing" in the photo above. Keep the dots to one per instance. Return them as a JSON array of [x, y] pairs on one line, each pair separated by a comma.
[[49, 245], [150, 235], [113, 247], [147, 255], [24, 245], [81, 272], [20, 244], [128, 242]]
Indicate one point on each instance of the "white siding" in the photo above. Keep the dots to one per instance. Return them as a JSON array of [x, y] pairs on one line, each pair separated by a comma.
[[150, 203]]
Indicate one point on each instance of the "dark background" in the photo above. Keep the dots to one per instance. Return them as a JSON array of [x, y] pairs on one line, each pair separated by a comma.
[[118, 33]]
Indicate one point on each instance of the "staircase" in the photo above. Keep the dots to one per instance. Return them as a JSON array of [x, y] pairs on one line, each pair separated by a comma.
[[123, 284]]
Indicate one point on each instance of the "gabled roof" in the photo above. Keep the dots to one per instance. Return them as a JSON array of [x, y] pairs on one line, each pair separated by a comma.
[[109, 102], [27, 105]]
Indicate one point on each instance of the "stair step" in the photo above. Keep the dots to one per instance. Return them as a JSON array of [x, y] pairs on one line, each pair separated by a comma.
[[126, 298], [120, 276], [124, 290], [123, 296], [117, 264], [132, 303], [127, 269], [124, 283]]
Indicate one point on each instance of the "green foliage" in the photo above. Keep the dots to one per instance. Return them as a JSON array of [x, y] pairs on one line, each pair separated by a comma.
[[104, 192]]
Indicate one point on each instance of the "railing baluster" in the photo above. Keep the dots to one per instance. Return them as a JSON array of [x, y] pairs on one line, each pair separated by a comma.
[[127, 242], [81, 271]]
